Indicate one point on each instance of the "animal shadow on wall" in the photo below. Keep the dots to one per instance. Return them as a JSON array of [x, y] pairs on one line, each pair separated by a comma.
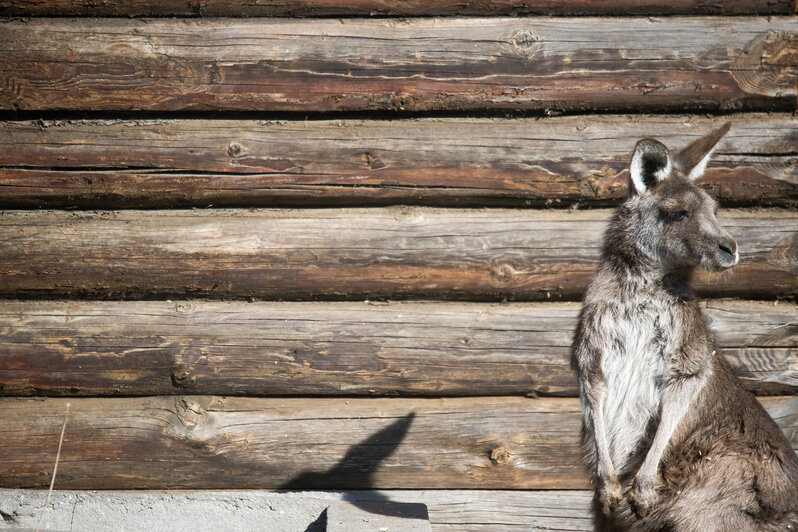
[[357, 467], [671, 439]]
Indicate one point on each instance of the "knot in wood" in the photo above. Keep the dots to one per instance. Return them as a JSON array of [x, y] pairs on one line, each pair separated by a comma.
[[184, 308], [189, 412], [234, 149], [500, 455], [525, 39], [502, 273], [183, 377], [372, 162], [526, 43], [193, 426]]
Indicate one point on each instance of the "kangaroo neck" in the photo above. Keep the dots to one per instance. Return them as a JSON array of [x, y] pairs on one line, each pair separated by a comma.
[[639, 275]]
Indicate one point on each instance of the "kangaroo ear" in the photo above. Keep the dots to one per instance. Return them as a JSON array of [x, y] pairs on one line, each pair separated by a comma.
[[651, 163], [694, 157]]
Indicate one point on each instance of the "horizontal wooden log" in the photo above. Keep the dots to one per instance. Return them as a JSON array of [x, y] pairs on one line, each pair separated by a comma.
[[227, 348], [362, 8], [208, 442], [426, 64], [449, 162], [499, 511], [395, 252], [270, 511]]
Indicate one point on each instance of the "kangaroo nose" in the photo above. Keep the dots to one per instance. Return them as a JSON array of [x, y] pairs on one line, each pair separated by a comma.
[[726, 249], [729, 248]]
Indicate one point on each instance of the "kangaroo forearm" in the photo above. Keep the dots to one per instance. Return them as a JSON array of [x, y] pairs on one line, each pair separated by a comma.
[[678, 398], [605, 468], [594, 398]]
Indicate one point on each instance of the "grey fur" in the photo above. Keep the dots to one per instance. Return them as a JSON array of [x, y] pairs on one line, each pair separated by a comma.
[[671, 440]]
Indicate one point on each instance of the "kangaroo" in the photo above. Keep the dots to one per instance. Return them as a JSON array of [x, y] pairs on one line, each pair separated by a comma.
[[665, 422]]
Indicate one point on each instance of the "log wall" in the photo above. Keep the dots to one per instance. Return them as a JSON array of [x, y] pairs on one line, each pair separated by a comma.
[[208, 222], [213, 442], [387, 65], [556, 162], [397, 252], [289, 348]]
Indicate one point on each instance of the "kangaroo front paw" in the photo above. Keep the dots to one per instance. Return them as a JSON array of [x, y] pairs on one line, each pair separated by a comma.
[[641, 497], [609, 496]]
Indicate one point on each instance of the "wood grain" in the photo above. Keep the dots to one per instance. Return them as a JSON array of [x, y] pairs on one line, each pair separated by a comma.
[[503, 511], [209, 442], [448, 162], [580, 64], [440, 349], [327, 8], [395, 252]]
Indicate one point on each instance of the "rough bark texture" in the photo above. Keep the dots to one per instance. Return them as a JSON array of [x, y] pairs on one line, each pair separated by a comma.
[[163, 348], [210, 442], [396, 252], [439, 64], [362, 8], [451, 162]]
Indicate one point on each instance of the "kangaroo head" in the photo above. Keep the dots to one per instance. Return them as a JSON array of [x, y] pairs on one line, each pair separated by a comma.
[[667, 217]]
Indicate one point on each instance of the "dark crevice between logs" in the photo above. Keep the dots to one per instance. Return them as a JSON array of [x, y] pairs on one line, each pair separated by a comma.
[[774, 106]]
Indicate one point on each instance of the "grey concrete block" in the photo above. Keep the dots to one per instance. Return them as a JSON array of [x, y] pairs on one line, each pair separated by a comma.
[[154, 511], [197, 511]]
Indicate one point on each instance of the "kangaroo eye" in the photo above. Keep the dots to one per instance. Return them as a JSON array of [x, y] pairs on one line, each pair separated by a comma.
[[675, 216]]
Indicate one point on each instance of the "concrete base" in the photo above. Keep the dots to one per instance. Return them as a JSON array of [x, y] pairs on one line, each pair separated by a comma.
[[197, 511]]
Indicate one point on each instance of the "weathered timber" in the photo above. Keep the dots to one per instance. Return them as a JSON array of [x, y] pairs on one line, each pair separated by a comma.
[[210, 442], [363, 8], [448, 162], [270, 511], [395, 252], [500, 511], [387, 64], [442, 349]]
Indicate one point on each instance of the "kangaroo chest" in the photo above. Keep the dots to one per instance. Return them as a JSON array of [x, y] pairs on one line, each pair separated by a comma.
[[635, 365]]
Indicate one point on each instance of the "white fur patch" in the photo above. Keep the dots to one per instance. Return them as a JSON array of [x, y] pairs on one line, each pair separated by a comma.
[[664, 172], [634, 366], [636, 171], [698, 170]]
